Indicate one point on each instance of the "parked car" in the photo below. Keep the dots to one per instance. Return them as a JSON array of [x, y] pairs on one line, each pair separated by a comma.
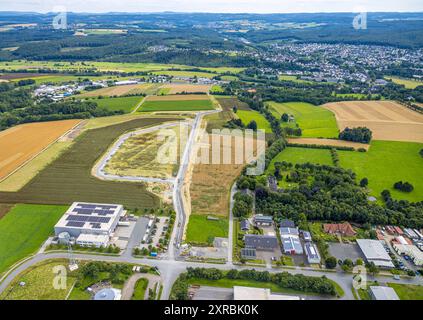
[[397, 277]]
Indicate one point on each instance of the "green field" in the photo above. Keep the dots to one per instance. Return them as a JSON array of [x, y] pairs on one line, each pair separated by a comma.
[[201, 230], [408, 83], [302, 155], [248, 115], [407, 291], [139, 289], [39, 283], [24, 229], [315, 122], [176, 105], [126, 104], [285, 77], [68, 178], [385, 163]]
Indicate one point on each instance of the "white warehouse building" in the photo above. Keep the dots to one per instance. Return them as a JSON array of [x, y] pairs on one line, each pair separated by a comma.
[[91, 224]]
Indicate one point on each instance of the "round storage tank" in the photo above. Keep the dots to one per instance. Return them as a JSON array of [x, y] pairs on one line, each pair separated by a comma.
[[64, 238]]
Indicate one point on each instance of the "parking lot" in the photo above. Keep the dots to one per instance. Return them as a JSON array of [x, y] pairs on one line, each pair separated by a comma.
[[342, 251]]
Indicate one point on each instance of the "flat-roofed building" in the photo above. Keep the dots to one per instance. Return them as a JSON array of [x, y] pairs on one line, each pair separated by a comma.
[[92, 240], [306, 236], [313, 256], [244, 225], [249, 293], [261, 242], [383, 293], [286, 223], [248, 253], [93, 219], [292, 244], [374, 251]]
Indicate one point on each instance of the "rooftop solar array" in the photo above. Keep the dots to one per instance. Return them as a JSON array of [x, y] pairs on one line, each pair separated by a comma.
[[88, 219], [90, 211], [75, 224]]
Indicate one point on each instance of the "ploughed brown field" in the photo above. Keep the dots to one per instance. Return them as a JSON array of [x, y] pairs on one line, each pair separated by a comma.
[[388, 120], [21, 143], [116, 90], [328, 142], [182, 87], [178, 97]]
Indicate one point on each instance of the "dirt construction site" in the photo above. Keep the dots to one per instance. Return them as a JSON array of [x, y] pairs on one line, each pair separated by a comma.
[[388, 120]]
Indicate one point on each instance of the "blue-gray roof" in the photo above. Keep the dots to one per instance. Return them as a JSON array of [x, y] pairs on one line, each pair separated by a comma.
[[287, 224], [260, 241], [288, 231], [292, 243]]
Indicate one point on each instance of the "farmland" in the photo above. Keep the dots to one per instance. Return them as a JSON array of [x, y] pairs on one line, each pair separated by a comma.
[[21, 143], [126, 104], [39, 283], [210, 183], [68, 178], [24, 229], [387, 120], [385, 163], [247, 116], [315, 122], [408, 83], [177, 103], [181, 87], [202, 230], [138, 155], [117, 90]]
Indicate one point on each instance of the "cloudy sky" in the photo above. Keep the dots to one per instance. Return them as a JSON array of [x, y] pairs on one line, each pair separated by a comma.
[[257, 6]]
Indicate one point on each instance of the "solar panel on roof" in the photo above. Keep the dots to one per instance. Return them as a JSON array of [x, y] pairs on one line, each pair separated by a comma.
[[88, 219], [96, 225], [75, 224], [83, 211]]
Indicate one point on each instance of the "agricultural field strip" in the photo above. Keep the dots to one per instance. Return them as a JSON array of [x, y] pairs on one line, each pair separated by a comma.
[[39, 152], [99, 168], [328, 142], [139, 104]]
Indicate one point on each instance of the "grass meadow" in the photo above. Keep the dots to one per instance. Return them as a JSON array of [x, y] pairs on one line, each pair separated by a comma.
[[315, 122], [126, 104], [24, 229], [248, 115], [385, 163], [201, 230]]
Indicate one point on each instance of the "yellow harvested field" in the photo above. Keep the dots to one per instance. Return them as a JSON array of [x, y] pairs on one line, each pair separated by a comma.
[[22, 143], [181, 87], [211, 183], [178, 97], [388, 120], [117, 90], [328, 142]]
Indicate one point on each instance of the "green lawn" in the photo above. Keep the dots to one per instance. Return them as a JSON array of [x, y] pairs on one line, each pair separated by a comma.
[[302, 155], [127, 104], [176, 105], [315, 122], [201, 230], [407, 291], [408, 83], [285, 77], [139, 289], [247, 115], [24, 229], [39, 283], [385, 163]]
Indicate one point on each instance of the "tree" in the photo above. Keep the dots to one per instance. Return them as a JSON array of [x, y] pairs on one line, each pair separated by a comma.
[[330, 263], [421, 152], [235, 109], [364, 182], [359, 262], [252, 125], [372, 268], [285, 117]]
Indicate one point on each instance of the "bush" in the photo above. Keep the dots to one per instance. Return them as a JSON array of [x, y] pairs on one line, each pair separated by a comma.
[[360, 134], [331, 263]]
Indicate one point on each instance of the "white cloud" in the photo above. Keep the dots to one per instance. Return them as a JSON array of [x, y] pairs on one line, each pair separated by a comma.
[[257, 6]]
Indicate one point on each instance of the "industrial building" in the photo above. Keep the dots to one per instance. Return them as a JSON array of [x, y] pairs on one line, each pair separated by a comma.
[[248, 253], [312, 253], [374, 251], [306, 236], [244, 225], [248, 293], [410, 250], [383, 293], [261, 242], [287, 224], [290, 240], [90, 224]]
